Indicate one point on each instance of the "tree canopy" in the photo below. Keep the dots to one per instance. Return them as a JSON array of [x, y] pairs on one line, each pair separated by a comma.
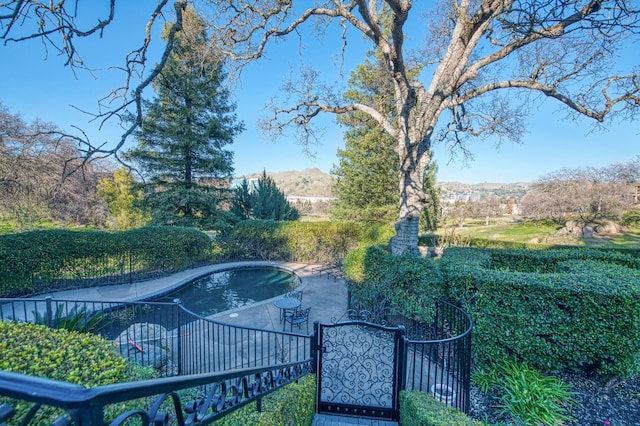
[[41, 178], [366, 175], [123, 199], [590, 195], [484, 65]]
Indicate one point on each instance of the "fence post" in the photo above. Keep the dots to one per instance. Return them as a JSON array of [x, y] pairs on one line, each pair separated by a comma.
[[401, 367], [176, 309], [315, 346], [48, 315]]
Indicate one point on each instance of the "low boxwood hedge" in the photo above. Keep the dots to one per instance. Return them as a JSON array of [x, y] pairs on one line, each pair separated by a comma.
[[292, 405], [81, 358], [553, 309], [421, 409]]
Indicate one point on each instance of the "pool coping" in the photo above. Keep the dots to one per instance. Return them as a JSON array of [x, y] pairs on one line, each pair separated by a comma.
[[150, 289]]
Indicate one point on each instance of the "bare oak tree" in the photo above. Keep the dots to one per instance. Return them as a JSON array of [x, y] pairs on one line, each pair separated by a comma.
[[60, 24], [485, 62], [590, 195], [36, 178]]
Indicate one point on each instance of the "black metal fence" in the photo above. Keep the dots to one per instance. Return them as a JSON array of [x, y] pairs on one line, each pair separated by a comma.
[[438, 353], [125, 268], [189, 400], [439, 356], [436, 357], [165, 336]]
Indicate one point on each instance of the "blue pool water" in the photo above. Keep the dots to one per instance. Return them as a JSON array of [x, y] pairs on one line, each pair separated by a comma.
[[226, 290]]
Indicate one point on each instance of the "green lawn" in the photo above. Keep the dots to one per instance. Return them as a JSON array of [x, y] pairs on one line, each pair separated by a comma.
[[506, 231], [529, 232], [630, 239]]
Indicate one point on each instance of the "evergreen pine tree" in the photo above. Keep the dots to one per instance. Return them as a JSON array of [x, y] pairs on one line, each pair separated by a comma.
[[181, 152], [264, 202], [241, 203]]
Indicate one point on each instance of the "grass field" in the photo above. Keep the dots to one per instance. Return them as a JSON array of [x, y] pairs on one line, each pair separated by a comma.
[[536, 233]]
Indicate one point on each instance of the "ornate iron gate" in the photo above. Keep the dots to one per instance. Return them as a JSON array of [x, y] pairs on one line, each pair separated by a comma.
[[360, 369]]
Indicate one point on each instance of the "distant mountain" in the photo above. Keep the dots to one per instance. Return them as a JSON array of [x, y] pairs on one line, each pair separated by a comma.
[[316, 183], [306, 183]]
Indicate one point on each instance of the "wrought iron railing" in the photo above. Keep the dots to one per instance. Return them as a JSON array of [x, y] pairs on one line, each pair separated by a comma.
[[435, 358], [166, 335], [438, 353], [125, 268], [196, 399], [439, 356]]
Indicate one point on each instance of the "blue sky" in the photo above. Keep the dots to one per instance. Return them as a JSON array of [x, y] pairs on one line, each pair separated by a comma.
[[35, 85]]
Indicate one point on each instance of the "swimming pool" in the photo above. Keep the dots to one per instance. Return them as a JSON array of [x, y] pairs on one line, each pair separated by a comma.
[[231, 289]]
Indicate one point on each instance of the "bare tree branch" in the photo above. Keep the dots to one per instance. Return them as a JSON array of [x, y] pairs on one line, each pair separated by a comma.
[[560, 49]]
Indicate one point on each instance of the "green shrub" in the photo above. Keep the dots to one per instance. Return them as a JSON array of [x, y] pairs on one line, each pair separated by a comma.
[[533, 399], [39, 261], [80, 358], [292, 405], [405, 285], [630, 218], [313, 242], [85, 359], [421, 409], [485, 378], [76, 319], [353, 266], [553, 309]]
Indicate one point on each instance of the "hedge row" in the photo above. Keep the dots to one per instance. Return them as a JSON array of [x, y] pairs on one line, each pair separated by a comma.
[[421, 409], [404, 285], [552, 309], [313, 242], [80, 358], [67, 255], [40, 261], [294, 404]]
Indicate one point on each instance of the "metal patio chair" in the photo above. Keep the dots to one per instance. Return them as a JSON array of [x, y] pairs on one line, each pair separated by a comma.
[[298, 317]]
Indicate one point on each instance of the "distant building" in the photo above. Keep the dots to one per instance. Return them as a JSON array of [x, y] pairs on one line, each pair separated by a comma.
[[295, 198]]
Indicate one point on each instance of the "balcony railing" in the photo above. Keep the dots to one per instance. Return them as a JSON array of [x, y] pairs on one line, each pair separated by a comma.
[[164, 401]]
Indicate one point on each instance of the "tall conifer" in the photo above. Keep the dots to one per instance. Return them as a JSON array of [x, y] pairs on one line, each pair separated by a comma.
[[181, 145]]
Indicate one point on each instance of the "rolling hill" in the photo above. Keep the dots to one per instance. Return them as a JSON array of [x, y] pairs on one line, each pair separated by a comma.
[[316, 183]]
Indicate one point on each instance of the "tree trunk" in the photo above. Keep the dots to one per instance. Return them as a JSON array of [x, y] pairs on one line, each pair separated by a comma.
[[406, 239], [412, 201]]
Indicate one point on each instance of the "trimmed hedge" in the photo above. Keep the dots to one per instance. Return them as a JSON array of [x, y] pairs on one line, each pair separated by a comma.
[[293, 405], [552, 309], [421, 409], [61, 255], [313, 242], [405, 285], [81, 358]]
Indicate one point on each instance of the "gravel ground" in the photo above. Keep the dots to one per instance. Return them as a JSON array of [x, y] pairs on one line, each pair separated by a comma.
[[599, 402]]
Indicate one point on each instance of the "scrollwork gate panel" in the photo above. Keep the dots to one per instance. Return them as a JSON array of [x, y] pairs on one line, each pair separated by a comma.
[[358, 369]]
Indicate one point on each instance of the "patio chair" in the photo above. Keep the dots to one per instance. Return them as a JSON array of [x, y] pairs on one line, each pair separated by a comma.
[[295, 294], [298, 317]]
